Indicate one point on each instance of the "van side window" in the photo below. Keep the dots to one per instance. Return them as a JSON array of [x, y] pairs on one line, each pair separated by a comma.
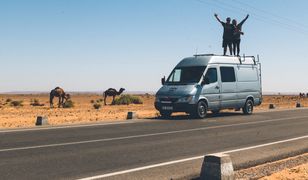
[[227, 74], [211, 74]]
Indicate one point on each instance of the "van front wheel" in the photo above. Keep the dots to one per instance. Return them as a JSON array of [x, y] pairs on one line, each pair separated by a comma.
[[248, 107], [201, 110]]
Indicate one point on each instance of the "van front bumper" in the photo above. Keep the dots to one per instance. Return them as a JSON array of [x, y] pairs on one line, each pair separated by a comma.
[[175, 107]]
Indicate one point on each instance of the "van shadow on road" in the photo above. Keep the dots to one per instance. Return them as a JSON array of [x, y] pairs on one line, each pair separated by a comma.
[[188, 117]]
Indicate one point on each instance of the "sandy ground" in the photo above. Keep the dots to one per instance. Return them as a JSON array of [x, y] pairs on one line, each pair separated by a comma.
[[83, 111], [293, 168], [296, 173]]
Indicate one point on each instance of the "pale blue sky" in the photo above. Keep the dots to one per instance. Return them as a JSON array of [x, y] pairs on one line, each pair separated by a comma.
[[91, 45]]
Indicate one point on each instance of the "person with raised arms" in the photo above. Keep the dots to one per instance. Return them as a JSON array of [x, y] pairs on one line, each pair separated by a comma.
[[227, 34], [237, 35]]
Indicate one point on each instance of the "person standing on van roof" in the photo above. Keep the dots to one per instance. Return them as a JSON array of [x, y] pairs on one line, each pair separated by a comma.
[[227, 35], [237, 35]]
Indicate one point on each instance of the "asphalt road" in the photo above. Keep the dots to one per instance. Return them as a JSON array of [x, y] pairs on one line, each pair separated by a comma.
[[85, 151]]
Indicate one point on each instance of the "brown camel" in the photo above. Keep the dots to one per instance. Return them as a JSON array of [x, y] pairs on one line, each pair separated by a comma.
[[58, 92], [112, 92]]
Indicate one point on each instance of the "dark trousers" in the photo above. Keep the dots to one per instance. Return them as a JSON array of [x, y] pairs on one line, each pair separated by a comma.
[[236, 46], [227, 43]]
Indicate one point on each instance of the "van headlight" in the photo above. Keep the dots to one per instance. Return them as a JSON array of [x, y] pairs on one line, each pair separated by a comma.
[[186, 99]]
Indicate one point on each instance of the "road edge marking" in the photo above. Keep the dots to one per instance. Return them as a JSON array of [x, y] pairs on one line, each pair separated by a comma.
[[115, 123], [189, 159], [147, 135]]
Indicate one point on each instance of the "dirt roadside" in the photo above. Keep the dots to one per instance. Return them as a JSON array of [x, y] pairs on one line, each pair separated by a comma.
[[293, 168], [84, 112]]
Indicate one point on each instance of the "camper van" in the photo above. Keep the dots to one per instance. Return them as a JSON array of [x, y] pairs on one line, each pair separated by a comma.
[[210, 82]]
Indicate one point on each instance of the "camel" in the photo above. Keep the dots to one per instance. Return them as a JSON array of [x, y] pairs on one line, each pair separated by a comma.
[[58, 92], [112, 92]]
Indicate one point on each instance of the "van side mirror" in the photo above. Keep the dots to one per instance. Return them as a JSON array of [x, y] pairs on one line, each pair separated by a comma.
[[163, 80], [205, 81]]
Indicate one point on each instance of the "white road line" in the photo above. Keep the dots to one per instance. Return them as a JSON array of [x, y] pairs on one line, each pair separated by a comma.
[[280, 110], [189, 159], [66, 126], [147, 135], [113, 123]]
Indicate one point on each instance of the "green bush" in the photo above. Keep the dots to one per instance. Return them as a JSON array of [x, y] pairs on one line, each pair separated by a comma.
[[97, 106], [8, 100], [16, 103], [127, 99], [68, 104], [92, 101]]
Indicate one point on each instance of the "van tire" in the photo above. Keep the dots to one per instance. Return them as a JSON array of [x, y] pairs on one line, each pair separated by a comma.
[[165, 114], [248, 107], [200, 110]]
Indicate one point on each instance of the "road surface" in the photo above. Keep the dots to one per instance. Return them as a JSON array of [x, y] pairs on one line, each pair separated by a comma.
[[86, 151]]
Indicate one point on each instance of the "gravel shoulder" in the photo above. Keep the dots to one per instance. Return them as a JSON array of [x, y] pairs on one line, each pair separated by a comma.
[[290, 168]]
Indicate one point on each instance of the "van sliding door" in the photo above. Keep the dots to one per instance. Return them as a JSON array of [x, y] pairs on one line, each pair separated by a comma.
[[228, 87]]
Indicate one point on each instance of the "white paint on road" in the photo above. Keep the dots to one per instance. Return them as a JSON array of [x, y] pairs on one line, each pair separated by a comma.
[[148, 135], [115, 123], [190, 159], [67, 126]]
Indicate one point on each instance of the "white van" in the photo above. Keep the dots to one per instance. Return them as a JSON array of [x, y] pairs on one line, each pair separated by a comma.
[[211, 82]]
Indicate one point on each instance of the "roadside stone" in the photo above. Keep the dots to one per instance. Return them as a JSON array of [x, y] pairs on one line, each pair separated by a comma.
[[217, 167], [298, 105], [271, 106], [40, 120], [131, 115]]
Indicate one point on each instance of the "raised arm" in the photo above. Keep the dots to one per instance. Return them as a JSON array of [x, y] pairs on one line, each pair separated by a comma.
[[216, 16], [242, 22]]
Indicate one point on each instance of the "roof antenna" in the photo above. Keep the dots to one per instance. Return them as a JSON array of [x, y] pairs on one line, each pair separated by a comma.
[[197, 50]]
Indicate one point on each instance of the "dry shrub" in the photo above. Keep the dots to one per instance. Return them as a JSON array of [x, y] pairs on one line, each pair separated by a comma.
[[16, 103], [36, 102], [68, 104], [97, 106], [127, 99]]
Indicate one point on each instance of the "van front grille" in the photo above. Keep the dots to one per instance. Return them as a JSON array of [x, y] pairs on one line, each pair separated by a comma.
[[169, 99]]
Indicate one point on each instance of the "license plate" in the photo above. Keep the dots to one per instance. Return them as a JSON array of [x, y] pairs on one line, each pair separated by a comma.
[[166, 102], [167, 108]]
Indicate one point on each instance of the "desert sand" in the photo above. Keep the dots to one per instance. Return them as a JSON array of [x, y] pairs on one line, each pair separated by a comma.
[[83, 111], [296, 173], [292, 168]]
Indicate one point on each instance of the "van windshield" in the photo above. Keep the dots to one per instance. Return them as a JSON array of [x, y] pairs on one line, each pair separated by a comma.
[[185, 75]]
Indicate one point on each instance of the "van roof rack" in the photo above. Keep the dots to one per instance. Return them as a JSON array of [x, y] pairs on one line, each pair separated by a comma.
[[240, 58], [244, 56], [196, 55]]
